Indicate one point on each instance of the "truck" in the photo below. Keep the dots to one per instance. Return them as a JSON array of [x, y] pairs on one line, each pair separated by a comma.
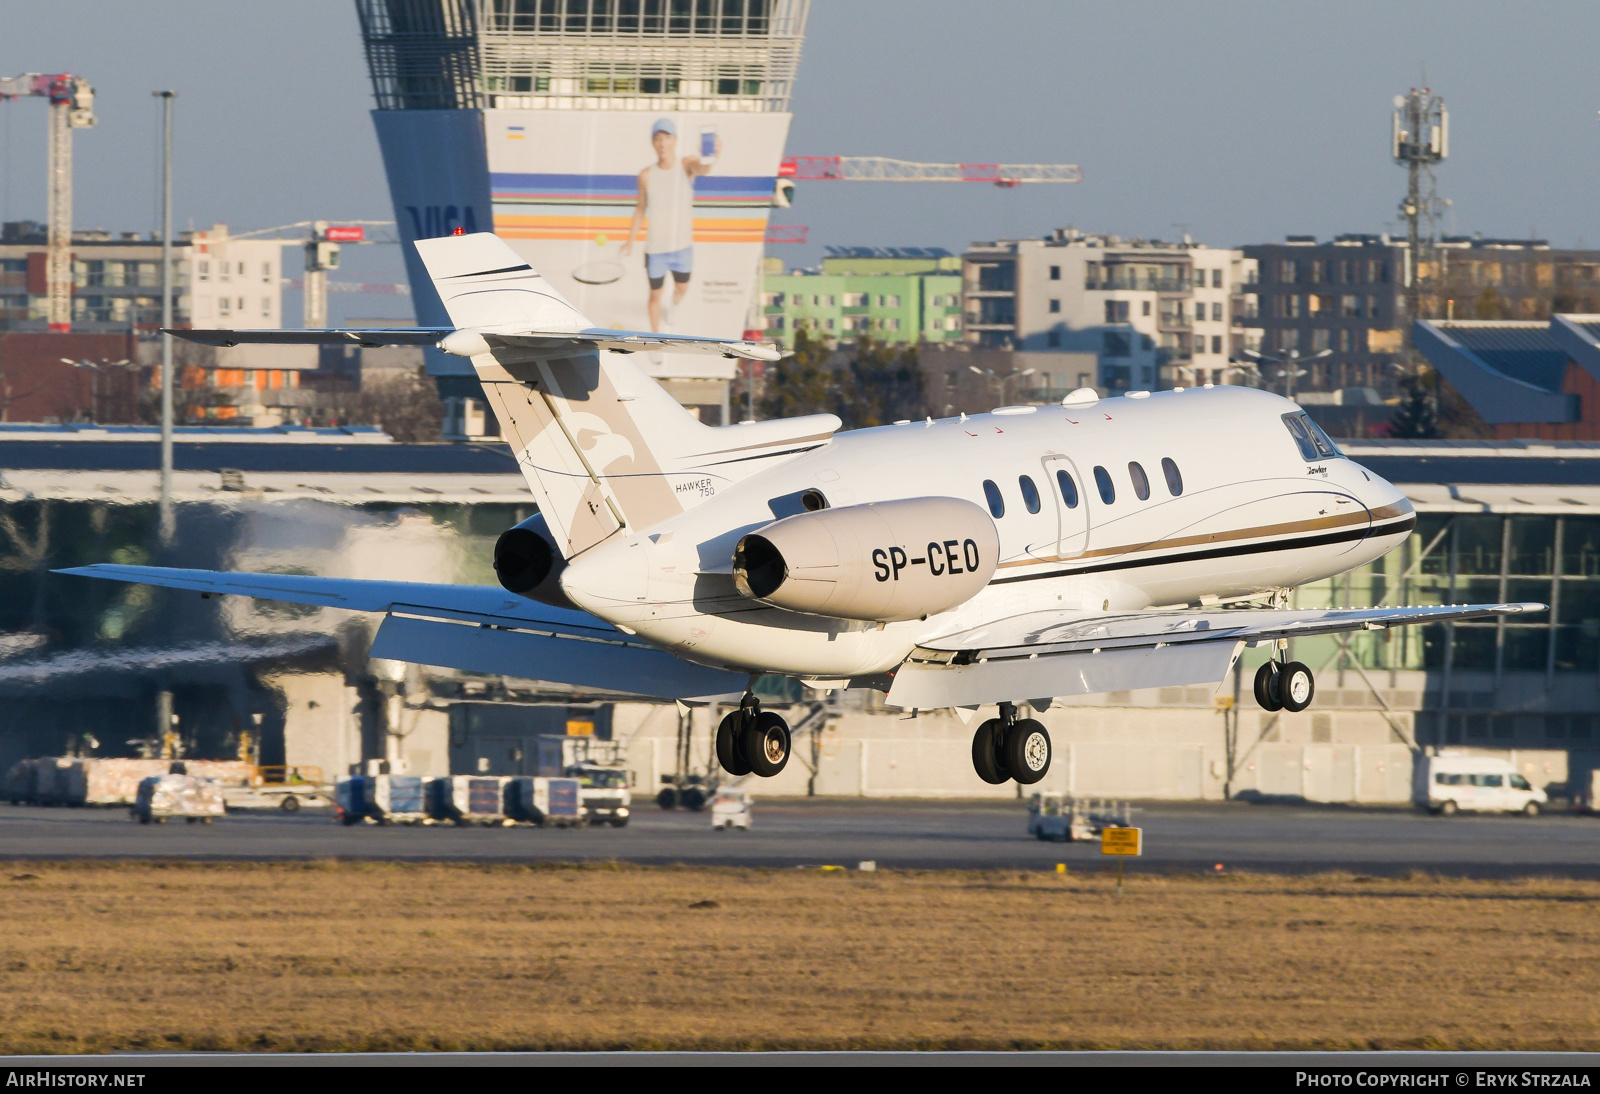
[[1452, 782], [282, 787], [604, 783]]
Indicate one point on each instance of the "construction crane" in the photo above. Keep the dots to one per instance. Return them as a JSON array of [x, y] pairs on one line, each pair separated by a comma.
[[322, 240], [880, 169], [71, 107]]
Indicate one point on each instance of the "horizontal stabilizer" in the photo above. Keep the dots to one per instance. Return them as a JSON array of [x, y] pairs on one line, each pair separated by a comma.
[[390, 336], [475, 628]]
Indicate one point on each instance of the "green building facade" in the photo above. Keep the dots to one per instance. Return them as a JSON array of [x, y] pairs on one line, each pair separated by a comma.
[[895, 295]]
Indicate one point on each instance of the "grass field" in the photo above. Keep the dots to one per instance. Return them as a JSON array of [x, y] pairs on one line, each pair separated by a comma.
[[345, 956]]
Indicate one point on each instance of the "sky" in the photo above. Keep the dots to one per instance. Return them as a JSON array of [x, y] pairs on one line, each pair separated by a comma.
[[1237, 122]]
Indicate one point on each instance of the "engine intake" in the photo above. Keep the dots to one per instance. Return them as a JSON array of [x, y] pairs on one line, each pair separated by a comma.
[[882, 562], [528, 563]]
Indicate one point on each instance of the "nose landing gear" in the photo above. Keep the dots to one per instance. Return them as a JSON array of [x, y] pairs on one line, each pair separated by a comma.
[[1011, 748], [753, 741], [1284, 686]]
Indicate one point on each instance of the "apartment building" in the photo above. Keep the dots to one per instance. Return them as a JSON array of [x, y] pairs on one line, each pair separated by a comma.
[[891, 294], [1151, 313]]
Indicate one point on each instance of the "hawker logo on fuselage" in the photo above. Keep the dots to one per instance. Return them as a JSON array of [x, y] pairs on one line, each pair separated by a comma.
[[948, 558]]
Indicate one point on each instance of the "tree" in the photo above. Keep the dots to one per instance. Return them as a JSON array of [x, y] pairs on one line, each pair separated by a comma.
[[1417, 416], [799, 383], [866, 383]]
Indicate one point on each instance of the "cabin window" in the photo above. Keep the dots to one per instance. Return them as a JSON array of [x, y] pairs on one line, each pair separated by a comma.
[[997, 504], [1030, 493], [1174, 479], [1141, 481], [1102, 479], [1069, 489]]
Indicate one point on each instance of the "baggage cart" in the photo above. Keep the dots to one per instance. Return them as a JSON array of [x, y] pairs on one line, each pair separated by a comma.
[[469, 799], [177, 794], [547, 802]]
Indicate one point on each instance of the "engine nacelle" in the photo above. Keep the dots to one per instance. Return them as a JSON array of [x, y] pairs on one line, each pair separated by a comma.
[[882, 562], [528, 563]]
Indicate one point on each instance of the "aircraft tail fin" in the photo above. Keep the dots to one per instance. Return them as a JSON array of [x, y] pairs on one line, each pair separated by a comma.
[[604, 448]]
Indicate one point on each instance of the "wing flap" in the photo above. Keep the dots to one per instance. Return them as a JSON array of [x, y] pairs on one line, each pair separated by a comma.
[[926, 685], [607, 666], [1064, 632]]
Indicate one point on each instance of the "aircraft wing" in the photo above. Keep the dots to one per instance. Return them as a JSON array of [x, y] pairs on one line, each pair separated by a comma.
[[623, 341], [1045, 654], [475, 628]]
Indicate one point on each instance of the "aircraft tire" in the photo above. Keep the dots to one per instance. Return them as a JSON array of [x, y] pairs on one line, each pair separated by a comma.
[[1266, 687], [986, 759], [729, 754], [764, 745], [694, 799], [1296, 686], [668, 798], [1027, 751]]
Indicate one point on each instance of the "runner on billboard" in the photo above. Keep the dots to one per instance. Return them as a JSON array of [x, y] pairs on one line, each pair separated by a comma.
[[666, 204]]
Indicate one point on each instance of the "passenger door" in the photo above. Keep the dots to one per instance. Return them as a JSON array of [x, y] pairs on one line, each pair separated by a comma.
[[1072, 520]]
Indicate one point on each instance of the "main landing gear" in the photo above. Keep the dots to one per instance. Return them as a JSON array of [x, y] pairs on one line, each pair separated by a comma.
[[1011, 748], [752, 740], [1284, 686]]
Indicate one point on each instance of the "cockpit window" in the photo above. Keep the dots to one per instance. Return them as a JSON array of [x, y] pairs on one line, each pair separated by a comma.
[[1312, 441]]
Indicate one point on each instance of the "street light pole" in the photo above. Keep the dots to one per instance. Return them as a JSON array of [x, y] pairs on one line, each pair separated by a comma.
[[168, 517]]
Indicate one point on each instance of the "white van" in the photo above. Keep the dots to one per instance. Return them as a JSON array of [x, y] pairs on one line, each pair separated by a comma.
[[1447, 784]]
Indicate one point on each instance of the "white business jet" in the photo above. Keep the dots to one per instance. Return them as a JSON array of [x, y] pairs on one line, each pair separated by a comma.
[[1005, 558]]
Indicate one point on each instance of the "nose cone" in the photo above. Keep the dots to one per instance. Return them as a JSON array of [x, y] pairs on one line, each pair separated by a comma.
[[1391, 511]]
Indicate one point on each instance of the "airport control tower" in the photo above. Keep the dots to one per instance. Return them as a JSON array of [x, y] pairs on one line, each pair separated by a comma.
[[544, 119]]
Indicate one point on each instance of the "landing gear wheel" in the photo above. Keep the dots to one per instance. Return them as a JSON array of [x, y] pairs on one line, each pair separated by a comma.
[[1296, 686], [668, 798], [1027, 751], [764, 745], [1266, 687], [729, 754], [986, 757], [694, 799]]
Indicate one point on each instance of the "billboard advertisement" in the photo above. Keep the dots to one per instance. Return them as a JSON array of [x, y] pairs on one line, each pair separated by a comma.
[[645, 220]]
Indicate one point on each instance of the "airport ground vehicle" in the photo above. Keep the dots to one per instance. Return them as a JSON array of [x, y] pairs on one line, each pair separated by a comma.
[[730, 808], [1586, 799], [1450, 783], [1063, 818], [177, 794], [384, 799], [286, 788], [547, 802], [604, 784]]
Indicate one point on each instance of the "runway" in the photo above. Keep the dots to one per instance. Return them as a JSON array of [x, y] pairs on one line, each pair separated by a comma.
[[893, 834]]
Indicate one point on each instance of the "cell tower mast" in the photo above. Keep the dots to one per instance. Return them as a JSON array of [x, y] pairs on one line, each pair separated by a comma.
[[1419, 138]]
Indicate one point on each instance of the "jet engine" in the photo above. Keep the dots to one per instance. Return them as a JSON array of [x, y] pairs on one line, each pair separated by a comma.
[[528, 563], [881, 562]]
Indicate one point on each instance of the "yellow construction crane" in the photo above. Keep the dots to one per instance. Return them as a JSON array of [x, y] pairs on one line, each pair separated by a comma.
[[71, 107]]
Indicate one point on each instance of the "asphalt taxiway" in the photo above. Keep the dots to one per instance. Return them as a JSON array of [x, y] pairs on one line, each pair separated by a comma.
[[893, 834]]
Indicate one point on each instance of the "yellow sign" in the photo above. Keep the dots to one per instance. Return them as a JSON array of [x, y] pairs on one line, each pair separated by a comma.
[[1121, 841], [576, 728]]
